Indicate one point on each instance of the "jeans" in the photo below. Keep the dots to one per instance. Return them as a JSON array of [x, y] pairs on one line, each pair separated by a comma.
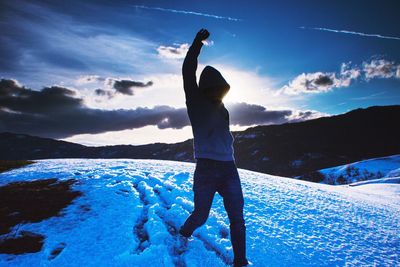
[[212, 176]]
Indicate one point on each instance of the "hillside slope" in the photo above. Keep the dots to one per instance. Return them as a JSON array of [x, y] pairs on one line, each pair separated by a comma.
[[129, 211]]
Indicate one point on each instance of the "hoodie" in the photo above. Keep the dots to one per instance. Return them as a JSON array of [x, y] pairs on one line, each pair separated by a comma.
[[209, 119]]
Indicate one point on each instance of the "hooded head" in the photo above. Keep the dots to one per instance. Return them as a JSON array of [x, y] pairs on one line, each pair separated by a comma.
[[212, 84]]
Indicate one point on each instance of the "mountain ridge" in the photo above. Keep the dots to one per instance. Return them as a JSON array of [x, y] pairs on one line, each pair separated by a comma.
[[289, 149]]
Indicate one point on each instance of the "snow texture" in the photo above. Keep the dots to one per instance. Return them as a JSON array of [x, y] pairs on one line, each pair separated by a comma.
[[363, 170], [131, 209]]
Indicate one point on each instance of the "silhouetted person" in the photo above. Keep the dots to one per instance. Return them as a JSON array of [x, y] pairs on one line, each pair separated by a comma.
[[213, 150]]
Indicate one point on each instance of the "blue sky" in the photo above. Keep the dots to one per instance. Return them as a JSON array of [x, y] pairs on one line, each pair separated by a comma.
[[286, 61]]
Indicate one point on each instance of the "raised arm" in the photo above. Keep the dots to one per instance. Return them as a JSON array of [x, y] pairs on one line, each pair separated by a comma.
[[190, 63]]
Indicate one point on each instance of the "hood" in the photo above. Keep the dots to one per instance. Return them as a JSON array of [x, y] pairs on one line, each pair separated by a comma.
[[212, 78]]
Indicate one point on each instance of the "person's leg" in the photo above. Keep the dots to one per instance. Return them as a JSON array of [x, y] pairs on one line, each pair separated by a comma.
[[231, 191], [204, 191]]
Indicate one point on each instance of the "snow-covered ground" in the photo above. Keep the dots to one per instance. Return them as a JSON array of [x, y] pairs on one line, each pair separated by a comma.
[[130, 210], [363, 170]]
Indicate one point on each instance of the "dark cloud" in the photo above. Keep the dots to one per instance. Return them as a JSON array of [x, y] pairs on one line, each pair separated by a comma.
[[248, 114], [102, 92], [9, 87], [317, 82], [49, 100], [126, 87], [324, 80], [57, 112]]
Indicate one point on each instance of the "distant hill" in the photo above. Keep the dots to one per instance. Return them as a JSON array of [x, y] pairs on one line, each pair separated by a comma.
[[384, 168], [298, 148], [290, 149]]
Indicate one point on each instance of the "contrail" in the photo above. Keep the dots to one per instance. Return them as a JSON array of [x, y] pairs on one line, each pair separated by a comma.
[[187, 12], [351, 32]]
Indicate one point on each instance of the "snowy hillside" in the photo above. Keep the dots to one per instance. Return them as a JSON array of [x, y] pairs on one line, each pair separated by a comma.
[[375, 168], [129, 211]]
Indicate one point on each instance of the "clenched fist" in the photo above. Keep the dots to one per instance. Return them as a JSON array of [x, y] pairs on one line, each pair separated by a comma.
[[202, 35]]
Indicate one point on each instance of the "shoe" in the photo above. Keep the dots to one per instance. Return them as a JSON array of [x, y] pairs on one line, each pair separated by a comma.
[[185, 234], [240, 264], [181, 244]]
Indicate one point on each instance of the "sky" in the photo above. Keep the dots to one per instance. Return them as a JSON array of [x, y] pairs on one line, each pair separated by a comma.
[[109, 72]]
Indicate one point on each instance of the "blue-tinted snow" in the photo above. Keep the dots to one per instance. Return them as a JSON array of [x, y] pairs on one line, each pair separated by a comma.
[[131, 209], [374, 168]]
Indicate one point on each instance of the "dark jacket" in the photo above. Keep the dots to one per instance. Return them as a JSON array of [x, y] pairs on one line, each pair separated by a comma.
[[209, 119]]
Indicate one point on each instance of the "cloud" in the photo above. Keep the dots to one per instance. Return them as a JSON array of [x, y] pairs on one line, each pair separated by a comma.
[[303, 115], [246, 86], [316, 82], [348, 73], [127, 87], [352, 33], [244, 114], [321, 82], [178, 51], [102, 92], [9, 86], [57, 112], [22, 100], [173, 52], [187, 12], [122, 86], [380, 68]]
